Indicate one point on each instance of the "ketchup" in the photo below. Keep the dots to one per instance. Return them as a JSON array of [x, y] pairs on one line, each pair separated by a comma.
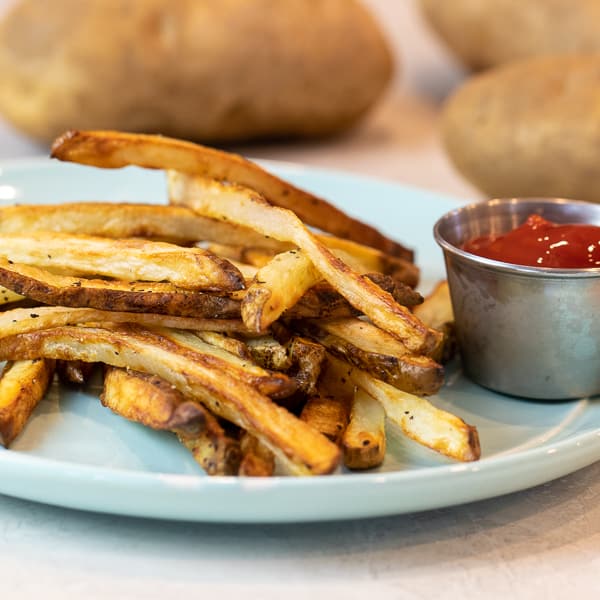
[[541, 243]]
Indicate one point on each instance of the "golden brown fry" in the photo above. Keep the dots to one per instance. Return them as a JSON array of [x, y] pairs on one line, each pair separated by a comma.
[[277, 286], [373, 260], [269, 383], [175, 224], [307, 358], [23, 384], [164, 298], [372, 349], [436, 309], [151, 401], [418, 418], [232, 345], [257, 459], [24, 320], [110, 149], [141, 260], [328, 414], [302, 450], [322, 301], [8, 296], [364, 441], [245, 207], [74, 372]]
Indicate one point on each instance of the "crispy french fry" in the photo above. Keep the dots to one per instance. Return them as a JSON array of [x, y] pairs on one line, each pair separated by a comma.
[[269, 353], [321, 301], [110, 149], [373, 260], [328, 414], [269, 383], [142, 260], [151, 401], [165, 298], [23, 384], [257, 459], [175, 224], [372, 349], [307, 359], [302, 450], [24, 320], [277, 286], [418, 418], [232, 345], [436, 309], [74, 372], [364, 440], [245, 207]]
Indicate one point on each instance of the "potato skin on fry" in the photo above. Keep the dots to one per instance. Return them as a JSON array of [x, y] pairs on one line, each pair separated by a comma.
[[23, 384], [151, 401], [161, 298]]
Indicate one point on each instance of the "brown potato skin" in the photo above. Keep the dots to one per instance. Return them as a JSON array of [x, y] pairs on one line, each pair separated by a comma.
[[485, 34], [212, 71], [529, 129]]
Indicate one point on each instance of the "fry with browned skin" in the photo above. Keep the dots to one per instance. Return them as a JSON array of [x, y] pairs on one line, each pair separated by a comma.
[[151, 401], [125, 296], [111, 149], [302, 450], [364, 440], [257, 459], [246, 207], [23, 383], [376, 351]]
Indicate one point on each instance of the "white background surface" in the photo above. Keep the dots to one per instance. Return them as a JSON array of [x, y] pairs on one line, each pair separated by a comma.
[[541, 543]]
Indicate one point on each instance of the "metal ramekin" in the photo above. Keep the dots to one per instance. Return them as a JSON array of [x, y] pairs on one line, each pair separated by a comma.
[[525, 331]]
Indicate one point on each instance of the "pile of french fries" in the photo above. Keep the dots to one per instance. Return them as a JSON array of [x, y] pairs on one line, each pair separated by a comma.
[[266, 329]]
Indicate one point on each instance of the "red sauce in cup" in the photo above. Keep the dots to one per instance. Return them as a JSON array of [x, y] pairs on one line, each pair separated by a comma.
[[541, 243]]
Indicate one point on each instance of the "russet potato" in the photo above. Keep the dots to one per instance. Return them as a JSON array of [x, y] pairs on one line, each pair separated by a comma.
[[484, 33], [210, 70], [529, 128]]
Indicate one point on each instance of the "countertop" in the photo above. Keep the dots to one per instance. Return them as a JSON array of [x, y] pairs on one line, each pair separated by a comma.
[[539, 543]]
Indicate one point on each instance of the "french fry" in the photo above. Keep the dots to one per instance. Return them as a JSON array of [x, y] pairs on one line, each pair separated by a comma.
[[165, 298], [257, 459], [436, 311], [307, 359], [269, 383], [276, 287], [153, 402], [369, 348], [364, 440], [23, 384], [302, 450], [328, 414], [110, 149], [418, 418], [174, 224], [245, 207], [142, 260], [25, 320]]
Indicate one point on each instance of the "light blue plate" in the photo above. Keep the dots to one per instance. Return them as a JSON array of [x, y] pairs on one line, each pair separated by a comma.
[[76, 453]]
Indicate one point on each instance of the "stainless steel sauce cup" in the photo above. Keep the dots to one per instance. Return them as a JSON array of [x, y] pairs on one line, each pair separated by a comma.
[[525, 331]]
